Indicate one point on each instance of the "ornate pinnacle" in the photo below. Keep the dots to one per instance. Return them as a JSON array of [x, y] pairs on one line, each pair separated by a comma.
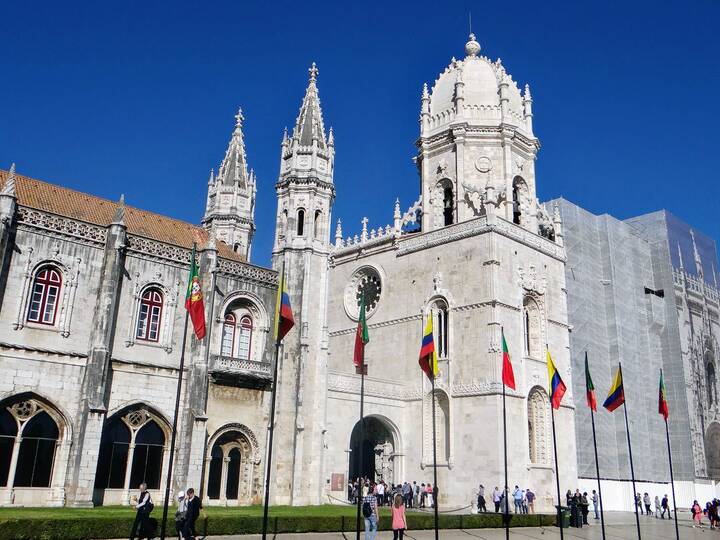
[[396, 213], [211, 180], [331, 138], [313, 70], [239, 118], [680, 257], [338, 232], [364, 233], [212, 244], [527, 95], [425, 94], [9, 188], [119, 218]]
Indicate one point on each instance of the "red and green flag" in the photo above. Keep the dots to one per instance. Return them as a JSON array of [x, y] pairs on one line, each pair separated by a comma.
[[508, 377], [194, 299], [662, 399], [362, 337], [589, 387]]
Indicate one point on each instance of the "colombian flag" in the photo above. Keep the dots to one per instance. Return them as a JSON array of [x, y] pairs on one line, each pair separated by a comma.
[[589, 387], [557, 386], [428, 357], [616, 396], [194, 299], [662, 400], [508, 376], [284, 320]]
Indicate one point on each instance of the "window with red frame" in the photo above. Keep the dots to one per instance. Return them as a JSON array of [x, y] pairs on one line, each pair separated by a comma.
[[245, 341], [148, 324], [44, 296], [228, 335]]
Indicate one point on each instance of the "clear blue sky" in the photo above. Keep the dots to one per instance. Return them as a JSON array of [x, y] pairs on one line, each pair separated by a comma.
[[139, 97]]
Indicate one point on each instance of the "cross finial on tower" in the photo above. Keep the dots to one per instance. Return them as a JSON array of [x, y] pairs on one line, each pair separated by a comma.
[[313, 70]]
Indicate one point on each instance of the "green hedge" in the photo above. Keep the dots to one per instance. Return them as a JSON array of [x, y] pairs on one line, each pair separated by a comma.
[[67, 528]]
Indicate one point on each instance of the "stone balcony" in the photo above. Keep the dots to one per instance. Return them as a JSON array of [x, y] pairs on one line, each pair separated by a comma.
[[240, 373]]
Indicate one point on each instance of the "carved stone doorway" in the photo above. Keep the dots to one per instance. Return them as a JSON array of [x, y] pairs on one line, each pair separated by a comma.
[[377, 448]]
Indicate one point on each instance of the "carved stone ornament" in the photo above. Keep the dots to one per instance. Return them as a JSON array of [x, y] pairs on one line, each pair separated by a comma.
[[483, 164], [442, 168], [365, 280], [529, 280]]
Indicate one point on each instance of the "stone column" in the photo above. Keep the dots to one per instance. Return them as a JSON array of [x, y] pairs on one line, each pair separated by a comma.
[[10, 491], [223, 478], [128, 471]]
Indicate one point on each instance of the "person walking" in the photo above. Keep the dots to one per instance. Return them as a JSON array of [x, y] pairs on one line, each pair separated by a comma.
[[423, 495], [408, 494], [370, 513], [497, 497], [696, 514], [517, 499], [647, 503], [416, 494], [180, 514], [657, 506], [596, 504], [191, 514], [530, 496], [380, 493], [143, 507], [665, 508], [638, 502], [399, 523], [481, 499], [430, 498]]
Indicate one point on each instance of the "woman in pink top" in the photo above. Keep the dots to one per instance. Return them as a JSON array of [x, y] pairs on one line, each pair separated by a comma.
[[697, 514], [399, 524]]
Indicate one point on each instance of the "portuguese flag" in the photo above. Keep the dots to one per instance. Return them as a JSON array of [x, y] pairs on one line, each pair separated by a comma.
[[508, 377], [362, 337], [662, 400], [589, 387], [194, 299]]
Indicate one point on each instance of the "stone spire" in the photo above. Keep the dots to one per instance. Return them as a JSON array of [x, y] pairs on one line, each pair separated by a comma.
[[338, 234], [696, 255], [309, 126], [680, 257], [9, 187], [233, 169], [119, 218], [397, 217]]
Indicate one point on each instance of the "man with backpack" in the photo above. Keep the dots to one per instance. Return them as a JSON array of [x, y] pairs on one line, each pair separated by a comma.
[[143, 506], [370, 513]]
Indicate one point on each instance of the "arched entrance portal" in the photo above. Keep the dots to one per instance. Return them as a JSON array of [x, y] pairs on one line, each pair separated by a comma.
[[712, 450], [377, 447]]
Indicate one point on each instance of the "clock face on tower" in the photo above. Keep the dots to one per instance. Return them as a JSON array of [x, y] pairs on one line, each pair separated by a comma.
[[364, 281]]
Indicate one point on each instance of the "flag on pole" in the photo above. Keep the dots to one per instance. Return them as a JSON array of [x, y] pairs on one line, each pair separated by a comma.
[[362, 337], [557, 386], [428, 357], [589, 387], [194, 299], [616, 396], [284, 319], [508, 377], [662, 400]]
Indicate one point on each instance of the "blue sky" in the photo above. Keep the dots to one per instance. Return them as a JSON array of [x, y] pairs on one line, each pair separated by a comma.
[[139, 97]]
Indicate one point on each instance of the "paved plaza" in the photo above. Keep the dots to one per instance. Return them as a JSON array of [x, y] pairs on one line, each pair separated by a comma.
[[618, 526]]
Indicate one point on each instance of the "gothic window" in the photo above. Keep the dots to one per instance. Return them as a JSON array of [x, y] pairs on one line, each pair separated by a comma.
[[519, 194], [245, 340], [710, 378], [133, 440], [228, 335], [448, 205], [229, 475], [148, 323], [441, 325], [318, 222], [28, 430], [44, 296], [531, 328], [300, 222], [538, 431]]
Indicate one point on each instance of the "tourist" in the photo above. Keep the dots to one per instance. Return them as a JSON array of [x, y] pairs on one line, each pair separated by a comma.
[[530, 496], [596, 504], [696, 514], [584, 508], [423, 495], [481, 499], [180, 514], [646, 502], [568, 498], [517, 499], [380, 493], [710, 510], [191, 514], [143, 507], [370, 513], [638, 503], [497, 497], [416, 494], [429, 493], [665, 508], [657, 506], [399, 523]]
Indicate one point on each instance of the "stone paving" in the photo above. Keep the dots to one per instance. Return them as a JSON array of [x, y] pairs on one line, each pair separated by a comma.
[[618, 526]]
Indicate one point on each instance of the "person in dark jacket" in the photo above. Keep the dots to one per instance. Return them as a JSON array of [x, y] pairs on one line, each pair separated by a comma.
[[143, 506], [191, 514]]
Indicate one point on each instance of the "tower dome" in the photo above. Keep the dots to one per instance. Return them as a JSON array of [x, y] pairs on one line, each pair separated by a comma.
[[469, 90]]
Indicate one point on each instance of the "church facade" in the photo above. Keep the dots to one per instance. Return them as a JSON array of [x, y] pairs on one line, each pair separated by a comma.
[[92, 321]]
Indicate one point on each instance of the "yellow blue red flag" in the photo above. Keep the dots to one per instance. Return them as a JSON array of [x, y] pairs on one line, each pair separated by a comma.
[[428, 356], [616, 396], [557, 386]]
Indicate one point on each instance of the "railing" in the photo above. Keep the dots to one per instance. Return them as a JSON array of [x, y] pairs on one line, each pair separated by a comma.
[[239, 372]]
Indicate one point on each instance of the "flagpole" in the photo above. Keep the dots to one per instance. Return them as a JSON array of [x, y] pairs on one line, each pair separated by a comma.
[[362, 369], [632, 469], [672, 479], [436, 491], [597, 473], [271, 422], [175, 415], [505, 498], [557, 470]]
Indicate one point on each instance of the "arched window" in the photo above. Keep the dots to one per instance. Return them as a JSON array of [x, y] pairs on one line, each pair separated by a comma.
[[300, 222], [448, 205], [538, 431], [230, 474], [318, 223], [710, 379], [44, 296], [132, 439], [28, 425], [519, 194], [441, 327], [531, 328], [228, 335], [148, 323], [245, 340], [526, 330]]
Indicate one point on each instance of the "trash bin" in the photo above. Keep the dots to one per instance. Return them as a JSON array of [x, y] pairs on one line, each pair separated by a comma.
[[564, 516]]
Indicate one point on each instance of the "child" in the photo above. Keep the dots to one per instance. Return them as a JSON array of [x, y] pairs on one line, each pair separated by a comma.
[[399, 524]]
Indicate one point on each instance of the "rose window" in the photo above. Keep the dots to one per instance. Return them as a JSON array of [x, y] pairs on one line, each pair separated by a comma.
[[366, 282]]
